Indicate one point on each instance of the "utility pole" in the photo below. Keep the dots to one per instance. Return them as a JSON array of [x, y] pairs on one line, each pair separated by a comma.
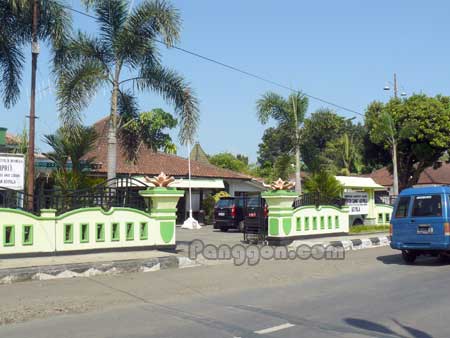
[[395, 86], [32, 116]]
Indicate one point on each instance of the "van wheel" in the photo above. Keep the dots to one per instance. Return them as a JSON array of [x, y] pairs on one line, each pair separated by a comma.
[[409, 257], [224, 229], [444, 258], [241, 226]]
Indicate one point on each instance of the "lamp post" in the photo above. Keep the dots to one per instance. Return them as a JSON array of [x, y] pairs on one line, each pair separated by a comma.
[[394, 84], [191, 222]]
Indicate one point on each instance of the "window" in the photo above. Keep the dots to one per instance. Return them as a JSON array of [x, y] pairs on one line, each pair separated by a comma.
[[402, 207], [100, 232], [322, 222], [380, 218], [143, 231], [299, 224], [330, 222], [130, 231], [84, 233], [427, 206], [115, 232], [336, 222], [387, 217], [306, 223], [68, 233], [27, 235], [314, 223], [8, 235]]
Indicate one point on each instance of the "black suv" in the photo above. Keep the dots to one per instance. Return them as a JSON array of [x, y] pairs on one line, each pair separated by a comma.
[[229, 214]]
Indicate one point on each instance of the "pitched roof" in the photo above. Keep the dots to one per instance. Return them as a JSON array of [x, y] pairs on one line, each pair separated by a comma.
[[198, 154], [150, 162], [440, 175]]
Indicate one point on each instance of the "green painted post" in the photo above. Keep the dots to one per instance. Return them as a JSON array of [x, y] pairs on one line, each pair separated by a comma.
[[280, 212], [163, 208]]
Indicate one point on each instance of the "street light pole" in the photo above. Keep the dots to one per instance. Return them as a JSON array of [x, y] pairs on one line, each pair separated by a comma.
[[395, 86]]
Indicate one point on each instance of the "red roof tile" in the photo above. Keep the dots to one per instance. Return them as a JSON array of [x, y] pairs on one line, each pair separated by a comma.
[[153, 163]]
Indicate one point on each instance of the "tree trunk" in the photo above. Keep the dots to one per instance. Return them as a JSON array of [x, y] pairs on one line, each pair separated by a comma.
[[298, 179], [112, 133], [30, 152], [394, 166]]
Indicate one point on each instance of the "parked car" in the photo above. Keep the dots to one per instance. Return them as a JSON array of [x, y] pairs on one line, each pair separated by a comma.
[[420, 223], [229, 214]]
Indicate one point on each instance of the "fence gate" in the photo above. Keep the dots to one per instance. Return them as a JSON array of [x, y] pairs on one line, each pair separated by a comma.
[[255, 220]]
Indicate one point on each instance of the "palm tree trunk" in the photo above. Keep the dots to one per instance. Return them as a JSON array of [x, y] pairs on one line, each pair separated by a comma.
[[112, 134], [30, 153], [298, 180], [394, 165]]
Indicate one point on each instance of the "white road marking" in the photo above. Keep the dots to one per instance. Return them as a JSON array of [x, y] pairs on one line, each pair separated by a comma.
[[275, 328]]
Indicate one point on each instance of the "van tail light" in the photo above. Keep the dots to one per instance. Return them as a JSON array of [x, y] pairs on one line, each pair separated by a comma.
[[266, 211], [390, 229], [447, 229], [233, 211]]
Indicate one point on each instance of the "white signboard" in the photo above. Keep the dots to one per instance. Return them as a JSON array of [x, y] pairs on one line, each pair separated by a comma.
[[12, 171], [358, 202]]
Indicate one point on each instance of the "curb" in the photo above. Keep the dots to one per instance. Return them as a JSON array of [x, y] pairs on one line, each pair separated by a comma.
[[47, 272], [352, 244]]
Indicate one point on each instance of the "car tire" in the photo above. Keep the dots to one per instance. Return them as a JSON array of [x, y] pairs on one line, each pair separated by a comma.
[[241, 226], [409, 257]]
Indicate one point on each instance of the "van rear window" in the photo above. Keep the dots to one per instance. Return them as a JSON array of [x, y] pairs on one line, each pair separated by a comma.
[[402, 207], [427, 206]]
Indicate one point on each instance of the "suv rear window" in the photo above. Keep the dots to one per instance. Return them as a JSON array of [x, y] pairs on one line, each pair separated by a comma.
[[225, 203], [427, 206], [254, 202], [402, 207]]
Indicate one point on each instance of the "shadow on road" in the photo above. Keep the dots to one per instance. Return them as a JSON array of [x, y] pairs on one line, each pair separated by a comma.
[[384, 330], [421, 260]]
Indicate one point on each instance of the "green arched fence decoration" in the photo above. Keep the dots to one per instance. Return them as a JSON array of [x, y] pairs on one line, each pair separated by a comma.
[[167, 230], [287, 225]]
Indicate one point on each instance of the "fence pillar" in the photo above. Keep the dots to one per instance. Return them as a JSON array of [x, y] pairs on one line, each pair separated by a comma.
[[280, 212], [162, 204], [371, 218]]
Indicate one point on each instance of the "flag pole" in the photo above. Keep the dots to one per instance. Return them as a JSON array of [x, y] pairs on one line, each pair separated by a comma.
[[191, 222]]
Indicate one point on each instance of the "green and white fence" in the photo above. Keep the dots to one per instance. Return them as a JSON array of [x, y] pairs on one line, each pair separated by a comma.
[[90, 229]]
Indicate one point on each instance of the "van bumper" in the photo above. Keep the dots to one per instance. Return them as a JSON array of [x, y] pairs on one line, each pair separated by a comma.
[[420, 246]]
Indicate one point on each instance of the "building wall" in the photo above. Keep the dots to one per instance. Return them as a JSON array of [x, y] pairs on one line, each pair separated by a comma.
[[242, 186]]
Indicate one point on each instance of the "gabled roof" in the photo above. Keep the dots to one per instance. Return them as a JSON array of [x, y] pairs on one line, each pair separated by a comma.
[[150, 162], [358, 182]]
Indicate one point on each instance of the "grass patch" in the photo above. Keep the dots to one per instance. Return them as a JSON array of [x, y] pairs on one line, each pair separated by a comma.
[[357, 229]]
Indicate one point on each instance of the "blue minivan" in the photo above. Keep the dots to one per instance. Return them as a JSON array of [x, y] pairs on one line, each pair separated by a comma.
[[420, 223]]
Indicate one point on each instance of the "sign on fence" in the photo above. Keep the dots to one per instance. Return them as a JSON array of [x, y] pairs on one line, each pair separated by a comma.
[[358, 202], [12, 171]]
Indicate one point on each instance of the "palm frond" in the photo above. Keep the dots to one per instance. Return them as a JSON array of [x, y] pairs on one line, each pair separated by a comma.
[[156, 18], [271, 105], [11, 66], [174, 89], [76, 87], [55, 22], [111, 16]]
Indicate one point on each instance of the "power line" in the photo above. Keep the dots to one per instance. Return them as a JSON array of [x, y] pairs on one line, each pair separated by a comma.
[[236, 69]]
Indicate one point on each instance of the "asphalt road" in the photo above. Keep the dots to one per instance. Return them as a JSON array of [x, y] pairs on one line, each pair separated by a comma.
[[369, 294]]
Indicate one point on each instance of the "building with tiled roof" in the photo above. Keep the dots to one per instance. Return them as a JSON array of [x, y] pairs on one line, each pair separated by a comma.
[[430, 176], [206, 178]]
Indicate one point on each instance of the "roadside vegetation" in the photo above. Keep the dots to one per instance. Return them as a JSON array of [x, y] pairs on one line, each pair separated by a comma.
[[359, 229]]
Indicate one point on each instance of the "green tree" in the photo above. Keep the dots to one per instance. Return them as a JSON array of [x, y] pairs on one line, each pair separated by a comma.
[[71, 145], [325, 184], [419, 125], [345, 154], [229, 161], [144, 128], [289, 114], [25, 23], [126, 45], [275, 142], [321, 128]]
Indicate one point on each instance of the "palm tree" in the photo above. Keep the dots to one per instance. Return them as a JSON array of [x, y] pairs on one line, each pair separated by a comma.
[[71, 145], [24, 23], [289, 113], [325, 184], [345, 154], [126, 45]]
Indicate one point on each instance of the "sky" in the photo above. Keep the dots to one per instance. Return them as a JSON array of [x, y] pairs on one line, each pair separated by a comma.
[[341, 51]]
